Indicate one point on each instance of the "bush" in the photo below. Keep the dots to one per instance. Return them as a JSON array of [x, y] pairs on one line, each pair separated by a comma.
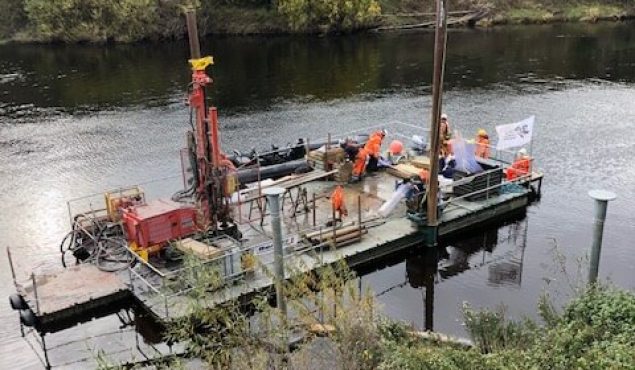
[[595, 331], [329, 15], [97, 20], [13, 17]]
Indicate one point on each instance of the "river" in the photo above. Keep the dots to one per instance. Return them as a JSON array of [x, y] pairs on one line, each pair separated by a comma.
[[80, 119]]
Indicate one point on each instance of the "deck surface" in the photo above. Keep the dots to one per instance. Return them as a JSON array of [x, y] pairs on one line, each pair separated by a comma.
[[71, 288], [384, 237]]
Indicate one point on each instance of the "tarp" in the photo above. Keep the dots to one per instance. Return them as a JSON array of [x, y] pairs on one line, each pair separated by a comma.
[[515, 134]]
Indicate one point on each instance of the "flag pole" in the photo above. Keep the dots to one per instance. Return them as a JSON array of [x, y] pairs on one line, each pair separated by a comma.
[[440, 41]]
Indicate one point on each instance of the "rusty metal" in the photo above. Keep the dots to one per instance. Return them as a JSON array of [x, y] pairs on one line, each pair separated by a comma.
[[192, 33], [440, 41]]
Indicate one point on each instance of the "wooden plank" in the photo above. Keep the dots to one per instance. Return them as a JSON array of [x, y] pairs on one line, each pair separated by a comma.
[[403, 171], [199, 249]]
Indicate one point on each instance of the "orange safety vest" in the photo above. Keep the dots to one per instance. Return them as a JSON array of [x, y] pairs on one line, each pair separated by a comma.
[[519, 168], [337, 201], [373, 146], [360, 162], [424, 175], [482, 147]]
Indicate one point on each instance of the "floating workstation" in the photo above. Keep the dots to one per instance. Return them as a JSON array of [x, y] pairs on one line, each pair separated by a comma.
[[349, 197]]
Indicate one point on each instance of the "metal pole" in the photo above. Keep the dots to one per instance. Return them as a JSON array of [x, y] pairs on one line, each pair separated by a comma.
[[37, 301], [334, 229], [437, 95], [273, 196], [359, 214], [602, 197], [11, 265], [192, 33], [313, 201]]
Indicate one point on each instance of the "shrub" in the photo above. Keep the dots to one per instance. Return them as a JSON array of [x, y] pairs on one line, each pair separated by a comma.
[[329, 15]]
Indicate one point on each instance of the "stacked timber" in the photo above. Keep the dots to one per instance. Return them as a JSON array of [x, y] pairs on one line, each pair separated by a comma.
[[325, 158], [403, 170], [338, 237], [420, 162], [344, 171]]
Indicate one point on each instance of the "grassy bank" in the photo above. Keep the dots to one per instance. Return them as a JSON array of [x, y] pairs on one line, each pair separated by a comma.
[[499, 12], [536, 13], [137, 20], [342, 329]]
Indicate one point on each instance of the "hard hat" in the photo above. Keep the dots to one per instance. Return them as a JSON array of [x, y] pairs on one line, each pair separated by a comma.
[[522, 151], [424, 175], [384, 132], [481, 132], [444, 116], [396, 147]]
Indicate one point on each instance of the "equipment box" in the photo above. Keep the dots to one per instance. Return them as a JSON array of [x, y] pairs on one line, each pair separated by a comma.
[[158, 222], [490, 177]]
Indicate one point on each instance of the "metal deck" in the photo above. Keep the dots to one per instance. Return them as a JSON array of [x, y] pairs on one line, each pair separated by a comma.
[[384, 237], [73, 292]]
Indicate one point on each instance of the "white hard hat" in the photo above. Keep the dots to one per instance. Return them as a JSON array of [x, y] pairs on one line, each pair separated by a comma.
[[522, 151], [444, 116]]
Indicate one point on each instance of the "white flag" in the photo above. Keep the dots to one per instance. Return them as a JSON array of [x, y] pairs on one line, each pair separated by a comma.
[[515, 134]]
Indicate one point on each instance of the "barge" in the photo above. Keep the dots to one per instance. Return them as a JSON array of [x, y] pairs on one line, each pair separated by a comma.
[[124, 249]]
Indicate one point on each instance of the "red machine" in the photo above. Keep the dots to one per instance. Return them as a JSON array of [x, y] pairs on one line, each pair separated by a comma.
[[158, 222], [155, 223]]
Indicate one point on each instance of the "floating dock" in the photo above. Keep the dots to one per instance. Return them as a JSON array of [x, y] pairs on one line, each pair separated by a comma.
[[77, 294], [382, 237]]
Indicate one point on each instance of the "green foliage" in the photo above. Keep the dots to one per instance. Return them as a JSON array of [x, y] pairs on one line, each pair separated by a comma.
[[491, 332], [13, 17], [329, 15], [595, 331], [91, 20]]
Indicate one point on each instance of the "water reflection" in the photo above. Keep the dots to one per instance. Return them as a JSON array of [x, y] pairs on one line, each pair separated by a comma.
[[258, 72], [499, 250]]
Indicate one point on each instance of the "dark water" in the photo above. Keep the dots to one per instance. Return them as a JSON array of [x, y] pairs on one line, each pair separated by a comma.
[[76, 120]]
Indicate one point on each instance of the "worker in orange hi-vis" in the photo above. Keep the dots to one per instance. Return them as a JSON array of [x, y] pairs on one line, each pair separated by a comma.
[[226, 163], [521, 166], [337, 201], [482, 144], [373, 148], [360, 165]]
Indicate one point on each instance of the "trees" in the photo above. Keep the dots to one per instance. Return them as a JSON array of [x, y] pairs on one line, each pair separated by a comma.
[[92, 20], [329, 15]]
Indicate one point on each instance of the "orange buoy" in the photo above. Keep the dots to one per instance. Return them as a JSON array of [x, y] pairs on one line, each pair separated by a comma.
[[396, 147]]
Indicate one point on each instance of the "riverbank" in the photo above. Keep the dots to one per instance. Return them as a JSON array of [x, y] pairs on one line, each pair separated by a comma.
[[482, 14], [25, 25]]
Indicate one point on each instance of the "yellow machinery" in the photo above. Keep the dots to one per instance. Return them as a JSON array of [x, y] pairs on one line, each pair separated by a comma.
[[122, 198]]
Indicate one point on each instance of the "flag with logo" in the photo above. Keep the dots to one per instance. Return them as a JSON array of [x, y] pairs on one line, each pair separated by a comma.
[[515, 134]]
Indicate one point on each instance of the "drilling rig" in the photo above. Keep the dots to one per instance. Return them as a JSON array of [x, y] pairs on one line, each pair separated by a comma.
[[150, 225]]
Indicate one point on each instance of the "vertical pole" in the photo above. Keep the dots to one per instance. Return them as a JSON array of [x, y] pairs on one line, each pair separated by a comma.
[[46, 353], [11, 265], [326, 155], [440, 40], [359, 214], [334, 229], [273, 196], [313, 201], [602, 197], [192, 33], [37, 301]]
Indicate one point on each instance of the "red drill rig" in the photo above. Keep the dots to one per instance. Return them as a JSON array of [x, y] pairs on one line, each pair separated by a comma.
[[151, 225]]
